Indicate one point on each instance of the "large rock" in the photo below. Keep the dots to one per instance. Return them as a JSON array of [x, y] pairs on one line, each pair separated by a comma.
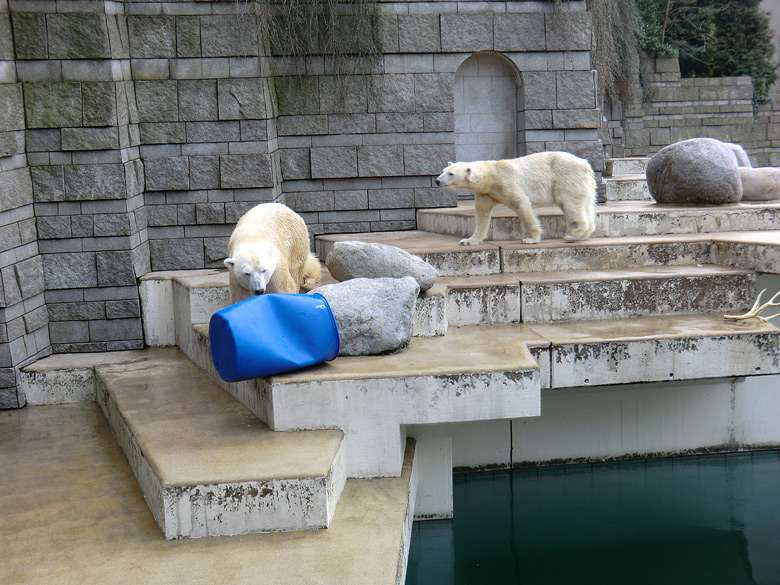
[[761, 184], [699, 170], [361, 260], [374, 315]]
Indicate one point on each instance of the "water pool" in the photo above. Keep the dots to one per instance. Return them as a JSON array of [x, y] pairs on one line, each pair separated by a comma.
[[699, 520]]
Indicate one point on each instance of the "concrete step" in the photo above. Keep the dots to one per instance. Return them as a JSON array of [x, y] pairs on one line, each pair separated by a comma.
[[573, 295], [626, 188], [654, 349], [469, 374], [613, 219], [625, 166], [206, 465]]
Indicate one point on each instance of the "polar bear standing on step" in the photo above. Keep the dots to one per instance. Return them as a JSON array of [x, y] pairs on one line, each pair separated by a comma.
[[542, 178], [269, 252]]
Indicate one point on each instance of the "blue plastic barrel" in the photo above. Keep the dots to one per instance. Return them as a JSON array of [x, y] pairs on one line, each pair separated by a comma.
[[272, 333]]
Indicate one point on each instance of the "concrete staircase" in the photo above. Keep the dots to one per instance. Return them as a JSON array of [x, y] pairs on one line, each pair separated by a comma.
[[641, 301]]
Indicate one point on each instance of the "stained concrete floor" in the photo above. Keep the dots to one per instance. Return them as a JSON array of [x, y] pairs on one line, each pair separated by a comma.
[[71, 512]]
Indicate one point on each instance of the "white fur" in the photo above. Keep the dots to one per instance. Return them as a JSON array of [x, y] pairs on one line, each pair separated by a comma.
[[544, 178], [268, 251]]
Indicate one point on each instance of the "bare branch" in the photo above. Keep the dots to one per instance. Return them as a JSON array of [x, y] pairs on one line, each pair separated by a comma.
[[756, 309]]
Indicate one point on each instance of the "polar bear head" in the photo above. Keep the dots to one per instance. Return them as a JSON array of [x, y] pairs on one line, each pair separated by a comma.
[[253, 265], [460, 175]]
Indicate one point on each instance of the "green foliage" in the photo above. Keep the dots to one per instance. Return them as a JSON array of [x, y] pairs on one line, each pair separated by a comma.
[[714, 38]]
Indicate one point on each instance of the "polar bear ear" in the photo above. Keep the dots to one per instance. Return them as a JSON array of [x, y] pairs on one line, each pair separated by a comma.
[[229, 263], [472, 175]]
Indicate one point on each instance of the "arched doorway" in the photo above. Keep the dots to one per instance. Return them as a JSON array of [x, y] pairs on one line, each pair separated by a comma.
[[488, 103]]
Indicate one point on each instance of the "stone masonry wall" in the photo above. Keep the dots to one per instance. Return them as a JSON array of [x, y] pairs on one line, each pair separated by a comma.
[[24, 334], [679, 109]]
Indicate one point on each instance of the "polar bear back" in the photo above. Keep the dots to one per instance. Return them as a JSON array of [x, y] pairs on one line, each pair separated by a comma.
[[273, 222]]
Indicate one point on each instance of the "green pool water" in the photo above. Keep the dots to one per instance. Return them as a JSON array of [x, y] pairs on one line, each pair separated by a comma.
[[705, 520]]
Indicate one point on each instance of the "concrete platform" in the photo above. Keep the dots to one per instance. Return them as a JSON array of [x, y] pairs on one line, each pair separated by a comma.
[[73, 514], [207, 466]]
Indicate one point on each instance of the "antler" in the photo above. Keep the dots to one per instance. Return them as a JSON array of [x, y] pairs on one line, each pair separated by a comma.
[[756, 309]]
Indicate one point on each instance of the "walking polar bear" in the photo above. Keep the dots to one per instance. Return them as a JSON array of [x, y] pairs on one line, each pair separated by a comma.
[[268, 251], [542, 178]]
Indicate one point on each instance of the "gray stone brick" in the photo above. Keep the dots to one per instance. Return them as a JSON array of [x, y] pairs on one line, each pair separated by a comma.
[[576, 89], [12, 112], [82, 226], [51, 227], [540, 90], [349, 217], [229, 35], [112, 224], [349, 200], [77, 36], [48, 183], [215, 250], [296, 95], [152, 36], [210, 213], [36, 319], [6, 38], [70, 270], [466, 32], [241, 99], [198, 100], [213, 131], [311, 201], [576, 118], [295, 163], [333, 162], [94, 182], [157, 101], [302, 125], [115, 330], [167, 174], [380, 161], [11, 143], [434, 197], [568, 31], [434, 92], [161, 215], [90, 138], [99, 104], [239, 171], [9, 237], [519, 32], [29, 35], [29, 276], [163, 132], [419, 33], [43, 140], [115, 269], [347, 94], [390, 198], [11, 292], [254, 129], [392, 93], [122, 309], [80, 311], [39, 71], [16, 189], [388, 122], [188, 36], [427, 159], [27, 231], [176, 254], [52, 105], [204, 172], [352, 124], [66, 332]]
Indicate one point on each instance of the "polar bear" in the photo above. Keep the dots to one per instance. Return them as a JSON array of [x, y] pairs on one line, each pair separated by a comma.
[[268, 251], [541, 178]]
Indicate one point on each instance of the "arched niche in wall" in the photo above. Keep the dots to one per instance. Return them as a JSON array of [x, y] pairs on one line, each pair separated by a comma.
[[488, 109]]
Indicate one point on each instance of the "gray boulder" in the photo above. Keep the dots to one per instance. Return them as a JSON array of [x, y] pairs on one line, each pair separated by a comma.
[[760, 184], [743, 160], [699, 170], [361, 260], [374, 315]]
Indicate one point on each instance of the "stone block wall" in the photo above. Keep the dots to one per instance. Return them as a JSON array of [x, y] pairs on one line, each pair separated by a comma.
[[23, 316], [679, 109]]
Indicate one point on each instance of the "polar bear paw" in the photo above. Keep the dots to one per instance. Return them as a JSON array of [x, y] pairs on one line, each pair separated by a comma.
[[470, 242]]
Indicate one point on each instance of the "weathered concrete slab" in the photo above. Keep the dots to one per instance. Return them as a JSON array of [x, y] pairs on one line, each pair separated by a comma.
[[206, 465], [469, 374], [648, 349], [68, 494], [626, 188], [625, 166]]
